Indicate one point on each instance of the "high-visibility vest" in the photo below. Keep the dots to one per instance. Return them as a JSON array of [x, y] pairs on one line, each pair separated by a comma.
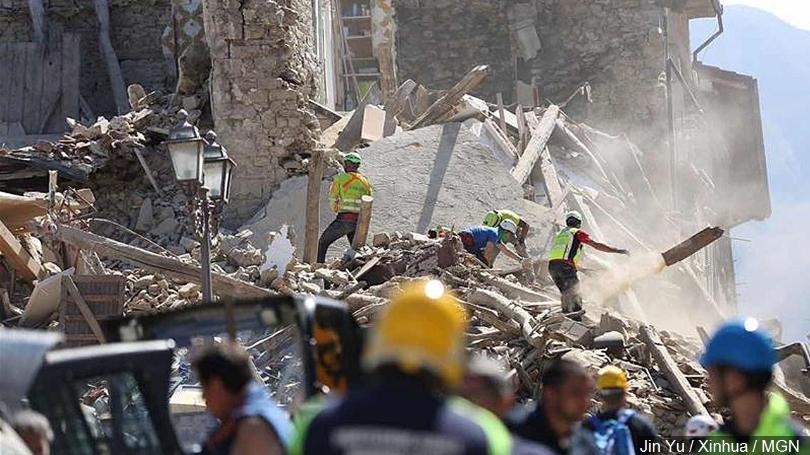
[[566, 246], [346, 191], [774, 423], [509, 215]]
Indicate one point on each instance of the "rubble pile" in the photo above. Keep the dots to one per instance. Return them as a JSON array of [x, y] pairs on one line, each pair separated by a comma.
[[438, 158]]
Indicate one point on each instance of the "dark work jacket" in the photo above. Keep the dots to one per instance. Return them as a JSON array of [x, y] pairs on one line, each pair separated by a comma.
[[530, 423], [402, 417]]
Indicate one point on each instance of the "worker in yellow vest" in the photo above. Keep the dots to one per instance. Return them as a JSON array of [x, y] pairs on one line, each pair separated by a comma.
[[740, 360], [493, 218], [563, 259], [344, 199]]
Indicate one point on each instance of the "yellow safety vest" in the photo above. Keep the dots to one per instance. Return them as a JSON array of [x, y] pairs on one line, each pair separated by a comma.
[[346, 191], [505, 215], [566, 246]]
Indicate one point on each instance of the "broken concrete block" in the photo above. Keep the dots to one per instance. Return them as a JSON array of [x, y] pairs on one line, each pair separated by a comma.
[[381, 239], [575, 332], [189, 291], [143, 282], [611, 323], [146, 216], [613, 342], [166, 227], [189, 244], [415, 237], [191, 102]]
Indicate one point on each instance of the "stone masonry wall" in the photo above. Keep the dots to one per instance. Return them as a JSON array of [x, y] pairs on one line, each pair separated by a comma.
[[135, 25], [613, 44], [263, 74], [438, 41]]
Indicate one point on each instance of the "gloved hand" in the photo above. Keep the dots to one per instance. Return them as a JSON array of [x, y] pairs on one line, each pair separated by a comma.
[[624, 252]]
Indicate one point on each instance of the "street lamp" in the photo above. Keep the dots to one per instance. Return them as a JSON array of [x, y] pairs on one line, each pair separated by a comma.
[[217, 169], [201, 167]]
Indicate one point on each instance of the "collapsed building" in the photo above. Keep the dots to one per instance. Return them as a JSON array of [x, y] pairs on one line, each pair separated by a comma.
[[595, 106]]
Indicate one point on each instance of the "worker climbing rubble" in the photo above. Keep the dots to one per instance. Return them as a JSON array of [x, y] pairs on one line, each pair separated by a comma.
[[493, 218], [416, 357], [345, 195], [564, 257], [615, 428], [740, 359], [486, 242]]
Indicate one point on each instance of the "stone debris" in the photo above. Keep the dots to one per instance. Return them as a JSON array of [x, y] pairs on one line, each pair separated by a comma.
[[449, 172]]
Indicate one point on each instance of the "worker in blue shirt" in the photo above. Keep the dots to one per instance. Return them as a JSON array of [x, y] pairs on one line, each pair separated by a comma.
[[486, 243]]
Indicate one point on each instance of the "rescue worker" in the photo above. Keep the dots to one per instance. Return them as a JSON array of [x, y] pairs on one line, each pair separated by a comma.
[[345, 195], [415, 357], [563, 260], [486, 385], [250, 422], [555, 420], [740, 359], [615, 426], [486, 242], [493, 218]]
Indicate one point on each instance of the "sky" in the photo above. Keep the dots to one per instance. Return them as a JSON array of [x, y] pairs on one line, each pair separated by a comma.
[[794, 12]]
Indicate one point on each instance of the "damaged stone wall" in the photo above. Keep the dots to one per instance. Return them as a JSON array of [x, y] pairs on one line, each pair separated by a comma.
[[438, 41], [263, 74], [136, 27], [614, 45]]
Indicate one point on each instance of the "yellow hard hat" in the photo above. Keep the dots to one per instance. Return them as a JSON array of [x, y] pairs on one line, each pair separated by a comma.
[[421, 329], [611, 378]]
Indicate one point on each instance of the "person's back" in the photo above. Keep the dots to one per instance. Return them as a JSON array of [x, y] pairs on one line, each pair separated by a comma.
[[621, 432], [398, 416]]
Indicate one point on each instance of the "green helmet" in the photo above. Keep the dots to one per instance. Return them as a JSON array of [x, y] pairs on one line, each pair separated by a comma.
[[573, 214], [492, 218], [353, 157]]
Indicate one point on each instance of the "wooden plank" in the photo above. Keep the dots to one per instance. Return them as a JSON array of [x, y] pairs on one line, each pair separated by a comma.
[[670, 369], [446, 103], [501, 113], [32, 113], [119, 90], [17, 256], [536, 145], [692, 245], [363, 221], [71, 63], [313, 210], [15, 100], [87, 313], [550, 179], [51, 87], [523, 130], [224, 284]]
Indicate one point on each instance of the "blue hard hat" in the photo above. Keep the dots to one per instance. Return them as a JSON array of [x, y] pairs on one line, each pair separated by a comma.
[[742, 345]]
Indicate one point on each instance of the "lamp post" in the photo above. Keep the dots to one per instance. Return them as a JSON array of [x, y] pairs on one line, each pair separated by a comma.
[[203, 170]]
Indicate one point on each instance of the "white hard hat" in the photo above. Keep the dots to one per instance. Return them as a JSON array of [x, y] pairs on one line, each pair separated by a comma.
[[700, 426], [509, 225]]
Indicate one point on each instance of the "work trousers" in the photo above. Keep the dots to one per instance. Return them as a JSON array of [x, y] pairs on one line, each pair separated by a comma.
[[332, 233], [565, 277]]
